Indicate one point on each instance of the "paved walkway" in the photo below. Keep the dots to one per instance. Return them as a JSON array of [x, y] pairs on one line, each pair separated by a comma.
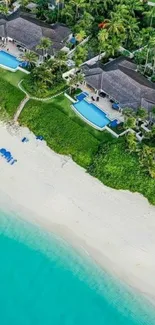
[[20, 108]]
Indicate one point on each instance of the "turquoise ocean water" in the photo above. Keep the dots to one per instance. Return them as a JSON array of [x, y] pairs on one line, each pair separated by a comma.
[[43, 281]]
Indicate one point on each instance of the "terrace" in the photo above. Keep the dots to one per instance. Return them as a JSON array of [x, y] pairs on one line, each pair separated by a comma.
[[12, 48], [104, 104]]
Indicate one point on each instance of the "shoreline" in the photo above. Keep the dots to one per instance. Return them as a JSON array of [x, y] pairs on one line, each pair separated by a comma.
[[116, 228]]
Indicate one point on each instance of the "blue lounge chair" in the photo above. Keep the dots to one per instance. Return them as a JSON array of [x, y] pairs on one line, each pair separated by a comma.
[[9, 159], [39, 137], [25, 139], [7, 155], [115, 106]]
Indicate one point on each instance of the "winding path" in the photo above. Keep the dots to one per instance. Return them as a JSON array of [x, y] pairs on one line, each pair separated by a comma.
[[20, 108], [26, 99]]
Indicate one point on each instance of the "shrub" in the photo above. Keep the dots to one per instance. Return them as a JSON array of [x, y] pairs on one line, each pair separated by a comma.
[[10, 98], [61, 133]]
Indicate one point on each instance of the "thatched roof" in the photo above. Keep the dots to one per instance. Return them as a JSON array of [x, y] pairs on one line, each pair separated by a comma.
[[120, 80], [29, 31]]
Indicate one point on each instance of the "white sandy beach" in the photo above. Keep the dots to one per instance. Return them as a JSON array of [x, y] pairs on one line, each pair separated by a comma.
[[116, 227]]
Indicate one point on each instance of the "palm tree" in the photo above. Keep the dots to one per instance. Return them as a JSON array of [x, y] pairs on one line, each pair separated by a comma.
[[3, 9], [115, 25], [142, 113], [7, 3], [42, 75], [134, 5], [75, 80], [30, 58], [131, 142], [60, 59], [78, 4], [103, 36], [130, 123], [45, 44], [131, 29], [80, 55], [151, 15], [80, 36], [147, 159], [24, 3], [150, 47]]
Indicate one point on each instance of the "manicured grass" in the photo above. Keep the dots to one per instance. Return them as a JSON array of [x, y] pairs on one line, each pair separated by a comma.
[[117, 168], [64, 105], [59, 130], [10, 98], [12, 77]]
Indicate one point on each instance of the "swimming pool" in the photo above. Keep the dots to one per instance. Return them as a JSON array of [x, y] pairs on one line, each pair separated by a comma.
[[81, 96], [9, 60], [92, 114]]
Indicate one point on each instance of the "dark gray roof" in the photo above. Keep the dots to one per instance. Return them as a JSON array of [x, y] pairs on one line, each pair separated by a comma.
[[29, 31], [120, 80], [62, 30]]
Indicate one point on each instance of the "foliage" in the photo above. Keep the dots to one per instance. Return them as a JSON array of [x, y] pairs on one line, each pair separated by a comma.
[[10, 98], [44, 45], [130, 123], [142, 113], [30, 58], [36, 91], [80, 55], [61, 133], [131, 142], [46, 80], [117, 168]]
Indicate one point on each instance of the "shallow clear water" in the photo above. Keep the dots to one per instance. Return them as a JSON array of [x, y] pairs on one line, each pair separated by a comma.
[[44, 281], [92, 113]]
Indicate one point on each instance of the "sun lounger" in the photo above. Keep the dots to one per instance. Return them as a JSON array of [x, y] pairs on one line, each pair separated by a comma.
[[25, 139], [39, 137], [14, 161], [9, 159]]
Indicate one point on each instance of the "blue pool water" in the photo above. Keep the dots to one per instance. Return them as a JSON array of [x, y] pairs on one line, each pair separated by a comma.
[[92, 113], [44, 281], [81, 96], [9, 60]]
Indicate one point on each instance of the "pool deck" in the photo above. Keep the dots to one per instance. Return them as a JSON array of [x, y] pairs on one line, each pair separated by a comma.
[[104, 104], [11, 49]]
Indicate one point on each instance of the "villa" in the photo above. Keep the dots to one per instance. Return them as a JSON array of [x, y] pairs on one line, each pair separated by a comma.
[[121, 82], [26, 32]]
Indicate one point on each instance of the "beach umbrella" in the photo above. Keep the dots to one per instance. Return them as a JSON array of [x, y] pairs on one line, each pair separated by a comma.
[[3, 151], [7, 155]]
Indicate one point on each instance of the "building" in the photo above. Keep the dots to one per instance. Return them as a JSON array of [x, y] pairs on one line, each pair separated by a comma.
[[27, 32], [120, 80]]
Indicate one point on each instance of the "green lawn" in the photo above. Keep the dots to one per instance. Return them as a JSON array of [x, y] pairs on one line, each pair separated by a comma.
[[61, 132], [12, 77], [64, 105], [10, 95]]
